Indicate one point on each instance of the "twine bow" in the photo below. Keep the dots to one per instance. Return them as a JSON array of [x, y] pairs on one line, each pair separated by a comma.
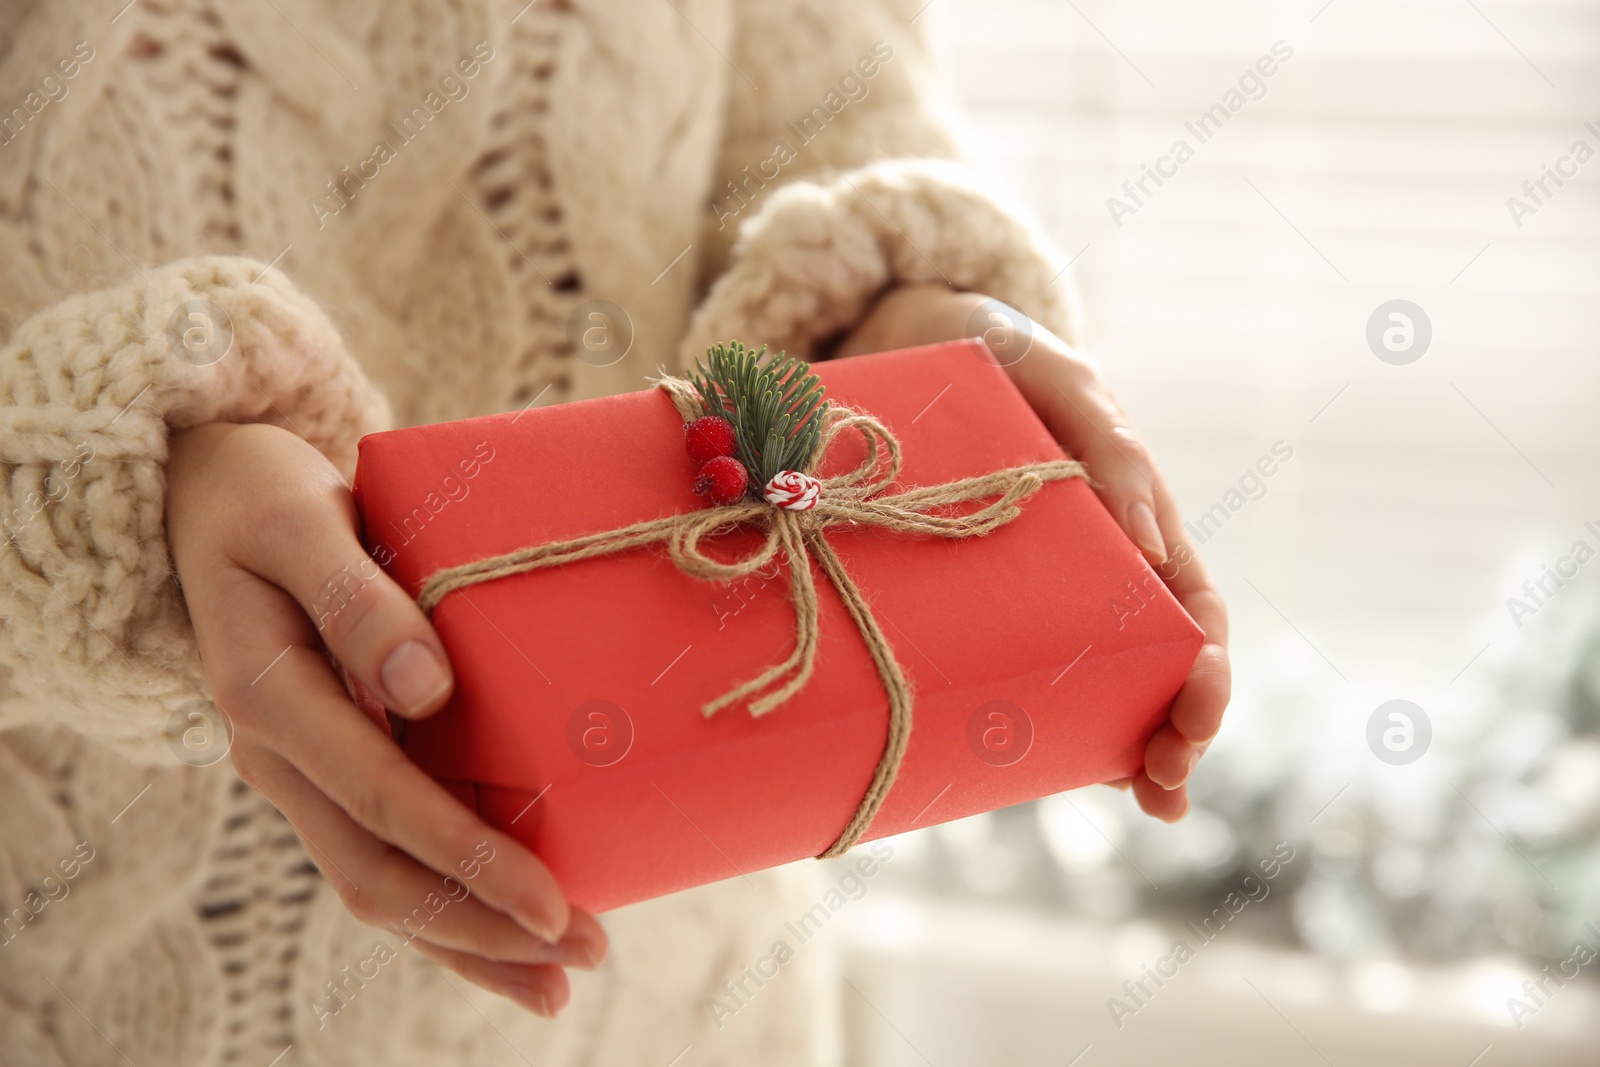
[[855, 497]]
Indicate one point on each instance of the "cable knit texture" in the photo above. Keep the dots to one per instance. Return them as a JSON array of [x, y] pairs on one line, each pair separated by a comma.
[[811, 263], [388, 213], [91, 387]]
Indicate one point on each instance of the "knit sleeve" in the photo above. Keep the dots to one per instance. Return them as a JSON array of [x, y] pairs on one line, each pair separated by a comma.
[[838, 178], [96, 634]]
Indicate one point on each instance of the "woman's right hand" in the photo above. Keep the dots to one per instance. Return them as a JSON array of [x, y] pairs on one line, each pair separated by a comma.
[[263, 531]]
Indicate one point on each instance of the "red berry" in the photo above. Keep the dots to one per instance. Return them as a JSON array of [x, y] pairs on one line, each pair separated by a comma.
[[708, 437], [723, 479]]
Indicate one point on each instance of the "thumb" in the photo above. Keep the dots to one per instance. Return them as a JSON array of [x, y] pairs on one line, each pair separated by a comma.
[[382, 640], [388, 651]]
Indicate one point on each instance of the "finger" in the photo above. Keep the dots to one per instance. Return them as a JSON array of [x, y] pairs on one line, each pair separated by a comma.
[[1169, 757], [1197, 711], [345, 756], [297, 706], [1168, 805], [1187, 576], [1205, 605], [541, 988], [386, 888], [1082, 415], [306, 543]]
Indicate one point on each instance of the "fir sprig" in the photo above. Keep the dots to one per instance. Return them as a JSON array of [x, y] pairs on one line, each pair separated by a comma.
[[775, 405]]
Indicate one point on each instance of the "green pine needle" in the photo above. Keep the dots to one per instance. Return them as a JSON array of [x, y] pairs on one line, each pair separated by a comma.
[[775, 406]]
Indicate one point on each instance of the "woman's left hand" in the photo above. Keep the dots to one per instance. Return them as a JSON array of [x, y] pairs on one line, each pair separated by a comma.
[[1072, 399]]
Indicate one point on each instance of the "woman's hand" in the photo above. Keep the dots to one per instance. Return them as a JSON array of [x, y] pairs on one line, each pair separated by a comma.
[[1074, 403], [263, 532]]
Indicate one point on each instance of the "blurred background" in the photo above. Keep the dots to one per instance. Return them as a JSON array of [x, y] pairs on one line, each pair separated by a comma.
[[1444, 850]]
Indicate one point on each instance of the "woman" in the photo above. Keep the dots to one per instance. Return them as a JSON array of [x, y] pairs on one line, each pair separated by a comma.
[[236, 237]]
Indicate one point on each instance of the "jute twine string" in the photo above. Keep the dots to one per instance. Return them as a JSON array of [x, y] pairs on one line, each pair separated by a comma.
[[853, 498]]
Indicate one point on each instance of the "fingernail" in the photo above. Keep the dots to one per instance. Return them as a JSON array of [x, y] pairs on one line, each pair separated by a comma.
[[593, 949], [414, 677], [529, 997], [573, 952], [1194, 756], [1146, 533], [535, 918]]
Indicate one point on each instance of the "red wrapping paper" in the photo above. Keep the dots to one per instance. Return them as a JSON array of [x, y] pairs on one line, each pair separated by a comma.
[[1042, 655]]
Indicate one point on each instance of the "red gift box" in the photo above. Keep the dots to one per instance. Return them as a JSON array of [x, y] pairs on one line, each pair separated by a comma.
[[1042, 655]]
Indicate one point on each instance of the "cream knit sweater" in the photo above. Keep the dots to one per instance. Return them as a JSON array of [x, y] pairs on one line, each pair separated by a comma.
[[399, 211]]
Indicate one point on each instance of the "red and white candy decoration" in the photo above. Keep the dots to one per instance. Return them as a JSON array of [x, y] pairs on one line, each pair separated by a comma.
[[794, 490]]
